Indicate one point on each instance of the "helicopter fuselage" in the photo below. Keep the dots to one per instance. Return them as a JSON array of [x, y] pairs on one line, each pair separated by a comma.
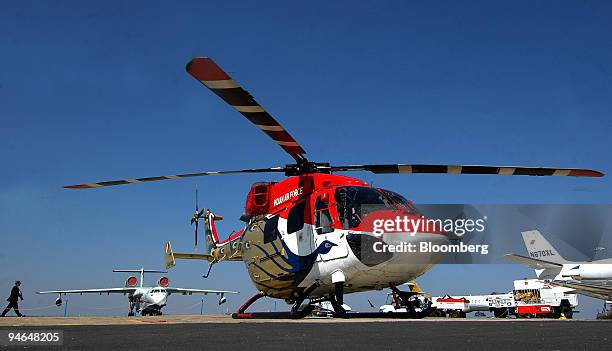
[[318, 229]]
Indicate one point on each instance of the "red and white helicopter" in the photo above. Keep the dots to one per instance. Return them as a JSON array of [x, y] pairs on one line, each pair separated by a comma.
[[309, 237]]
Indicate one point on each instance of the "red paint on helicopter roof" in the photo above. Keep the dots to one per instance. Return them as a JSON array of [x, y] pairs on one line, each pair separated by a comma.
[[271, 198], [204, 68]]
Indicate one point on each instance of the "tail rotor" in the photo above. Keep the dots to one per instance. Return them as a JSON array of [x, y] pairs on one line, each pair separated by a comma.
[[195, 218]]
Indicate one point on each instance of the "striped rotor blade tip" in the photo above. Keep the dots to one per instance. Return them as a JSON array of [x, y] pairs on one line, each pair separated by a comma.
[[171, 177], [471, 169], [207, 72], [122, 182]]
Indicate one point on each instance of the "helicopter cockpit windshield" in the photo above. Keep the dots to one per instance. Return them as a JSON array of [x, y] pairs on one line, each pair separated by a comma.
[[401, 201], [356, 202]]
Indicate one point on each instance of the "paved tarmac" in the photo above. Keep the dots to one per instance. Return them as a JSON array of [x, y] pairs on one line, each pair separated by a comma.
[[221, 332]]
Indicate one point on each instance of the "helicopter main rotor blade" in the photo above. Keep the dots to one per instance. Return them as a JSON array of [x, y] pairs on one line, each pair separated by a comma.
[[469, 169], [168, 177], [207, 72]]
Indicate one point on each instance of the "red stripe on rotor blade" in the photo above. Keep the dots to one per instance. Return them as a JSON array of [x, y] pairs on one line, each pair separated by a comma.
[[585, 173], [280, 135], [204, 68], [80, 186]]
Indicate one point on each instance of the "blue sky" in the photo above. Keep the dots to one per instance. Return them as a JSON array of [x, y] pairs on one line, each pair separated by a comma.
[[91, 92]]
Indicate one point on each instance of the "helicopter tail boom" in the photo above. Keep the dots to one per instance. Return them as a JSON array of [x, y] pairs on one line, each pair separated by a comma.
[[170, 256], [229, 249], [215, 250]]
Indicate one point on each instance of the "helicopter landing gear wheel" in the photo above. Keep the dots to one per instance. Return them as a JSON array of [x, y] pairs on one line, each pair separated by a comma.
[[337, 300]]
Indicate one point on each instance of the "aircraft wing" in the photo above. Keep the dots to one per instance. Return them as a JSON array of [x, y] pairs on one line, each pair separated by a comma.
[[197, 291], [597, 290], [533, 262], [91, 291]]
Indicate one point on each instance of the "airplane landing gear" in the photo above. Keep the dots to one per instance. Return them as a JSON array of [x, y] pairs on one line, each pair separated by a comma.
[[131, 309], [151, 312]]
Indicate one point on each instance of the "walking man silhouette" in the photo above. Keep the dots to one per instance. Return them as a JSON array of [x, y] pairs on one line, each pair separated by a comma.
[[13, 300]]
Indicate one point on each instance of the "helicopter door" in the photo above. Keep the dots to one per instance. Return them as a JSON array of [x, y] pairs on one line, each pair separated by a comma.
[[324, 230], [299, 236]]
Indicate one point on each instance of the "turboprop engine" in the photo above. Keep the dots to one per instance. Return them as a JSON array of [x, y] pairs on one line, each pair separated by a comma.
[[131, 282], [163, 281]]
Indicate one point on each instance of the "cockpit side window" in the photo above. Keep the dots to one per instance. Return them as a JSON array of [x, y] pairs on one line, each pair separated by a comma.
[[271, 230], [323, 220], [355, 202], [295, 219]]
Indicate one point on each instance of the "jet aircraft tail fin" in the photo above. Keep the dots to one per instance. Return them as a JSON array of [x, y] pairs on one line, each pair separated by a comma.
[[539, 248]]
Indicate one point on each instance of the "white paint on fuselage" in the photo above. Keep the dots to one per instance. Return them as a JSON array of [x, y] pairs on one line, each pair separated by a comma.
[[598, 270], [300, 242], [400, 268], [147, 297]]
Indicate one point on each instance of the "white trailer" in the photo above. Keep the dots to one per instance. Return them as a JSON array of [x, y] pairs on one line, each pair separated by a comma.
[[530, 298]]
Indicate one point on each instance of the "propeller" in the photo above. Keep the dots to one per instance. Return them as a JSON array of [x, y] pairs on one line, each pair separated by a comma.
[[195, 218], [207, 72]]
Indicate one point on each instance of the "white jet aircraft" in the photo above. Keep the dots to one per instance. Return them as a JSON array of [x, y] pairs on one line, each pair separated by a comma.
[[146, 300], [590, 278]]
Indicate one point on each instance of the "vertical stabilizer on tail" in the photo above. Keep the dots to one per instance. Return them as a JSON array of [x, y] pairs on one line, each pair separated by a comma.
[[142, 272], [210, 231], [539, 248]]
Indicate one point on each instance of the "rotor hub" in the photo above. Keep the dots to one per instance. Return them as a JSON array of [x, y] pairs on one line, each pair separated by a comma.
[[307, 167]]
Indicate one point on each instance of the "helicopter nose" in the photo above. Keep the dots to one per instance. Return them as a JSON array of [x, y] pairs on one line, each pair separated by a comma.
[[413, 248]]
